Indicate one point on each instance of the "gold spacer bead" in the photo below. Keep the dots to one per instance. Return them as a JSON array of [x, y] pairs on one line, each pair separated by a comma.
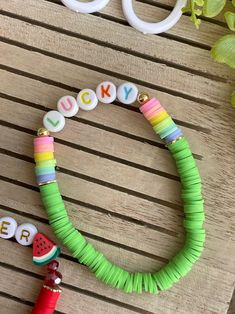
[[47, 182], [173, 142], [51, 289], [43, 132], [142, 98]]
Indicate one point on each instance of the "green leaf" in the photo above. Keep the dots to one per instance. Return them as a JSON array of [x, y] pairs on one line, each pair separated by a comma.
[[200, 3], [230, 19], [233, 2], [186, 10], [223, 50], [233, 99], [213, 7]]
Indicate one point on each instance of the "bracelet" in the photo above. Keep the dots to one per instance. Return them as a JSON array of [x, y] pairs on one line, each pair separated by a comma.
[[191, 193]]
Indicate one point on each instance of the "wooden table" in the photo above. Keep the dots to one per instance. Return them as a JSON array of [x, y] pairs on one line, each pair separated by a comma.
[[118, 180]]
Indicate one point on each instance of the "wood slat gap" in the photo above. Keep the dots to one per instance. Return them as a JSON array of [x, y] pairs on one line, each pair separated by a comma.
[[163, 35], [76, 90], [20, 300], [76, 289], [92, 207], [103, 127], [97, 181], [154, 4], [90, 151], [88, 235], [122, 49], [169, 8], [104, 71], [92, 123]]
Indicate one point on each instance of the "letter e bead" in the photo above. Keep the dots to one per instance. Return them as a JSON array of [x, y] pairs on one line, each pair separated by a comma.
[[8, 227]]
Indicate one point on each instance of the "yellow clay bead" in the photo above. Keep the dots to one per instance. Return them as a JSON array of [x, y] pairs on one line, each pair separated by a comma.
[[43, 156], [162, 116]]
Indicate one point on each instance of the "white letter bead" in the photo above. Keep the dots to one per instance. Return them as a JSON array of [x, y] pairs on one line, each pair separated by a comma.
[[8, 227], [54, 121], [106, 92], [87, 99], [127, 93], [25, 234], [67, 106]]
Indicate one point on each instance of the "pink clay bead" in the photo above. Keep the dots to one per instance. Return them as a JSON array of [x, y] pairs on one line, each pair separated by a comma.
[[43, 140], [153, 102], [43, 148], [155, 113], [152, 110]]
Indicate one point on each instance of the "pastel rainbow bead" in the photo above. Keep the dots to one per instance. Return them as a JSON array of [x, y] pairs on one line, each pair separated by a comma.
[[173, 136], [43, 140], [46, 163], [43, 148], [152, 103], [154, 112], [43, 156], [160, 120]]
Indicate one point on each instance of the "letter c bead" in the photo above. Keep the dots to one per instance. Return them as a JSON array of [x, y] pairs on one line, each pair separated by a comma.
[[67, 106], [87, 99]]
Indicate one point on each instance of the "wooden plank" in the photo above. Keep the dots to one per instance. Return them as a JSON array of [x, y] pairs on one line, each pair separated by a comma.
[[144, 71], [130, 234], [207, 168], [155, 47], [26, 149], [10, 306], [27, 287], [132, 122], [132, 260], [213, 287], [209, 191], [143, 239], [97, 139], [85, 163], [126, 220], [184, 30]]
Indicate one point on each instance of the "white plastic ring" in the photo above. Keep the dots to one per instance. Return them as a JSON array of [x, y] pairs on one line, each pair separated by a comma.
[[85, 7], [152, 28]]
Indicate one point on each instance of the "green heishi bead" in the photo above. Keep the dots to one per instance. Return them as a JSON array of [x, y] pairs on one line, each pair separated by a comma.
[[105, 270]]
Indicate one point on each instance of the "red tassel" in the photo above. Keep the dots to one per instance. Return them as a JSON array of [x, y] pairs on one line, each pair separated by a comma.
[[46, 301]]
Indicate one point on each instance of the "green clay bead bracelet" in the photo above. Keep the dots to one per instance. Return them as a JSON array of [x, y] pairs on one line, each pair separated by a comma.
[[86, 254]]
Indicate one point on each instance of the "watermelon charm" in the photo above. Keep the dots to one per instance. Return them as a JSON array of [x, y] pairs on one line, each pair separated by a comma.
[[44, 250]]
